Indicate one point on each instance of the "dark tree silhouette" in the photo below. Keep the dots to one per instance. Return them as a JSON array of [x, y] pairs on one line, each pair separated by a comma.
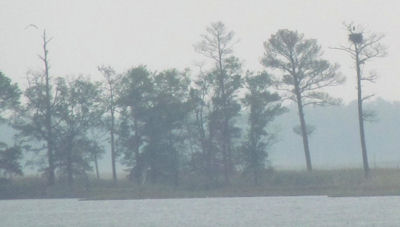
[[263, 106]]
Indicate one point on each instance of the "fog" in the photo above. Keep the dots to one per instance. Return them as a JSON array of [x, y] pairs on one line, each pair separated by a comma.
[[161, 34], [129, 100]]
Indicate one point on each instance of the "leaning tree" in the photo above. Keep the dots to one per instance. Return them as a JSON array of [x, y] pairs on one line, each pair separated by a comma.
[[303, 74]]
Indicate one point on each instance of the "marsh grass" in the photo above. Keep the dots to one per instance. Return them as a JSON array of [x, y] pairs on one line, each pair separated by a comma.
[[341, 182]]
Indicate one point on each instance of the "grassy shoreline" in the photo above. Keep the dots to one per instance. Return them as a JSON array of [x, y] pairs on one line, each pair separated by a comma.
[[334, 183]]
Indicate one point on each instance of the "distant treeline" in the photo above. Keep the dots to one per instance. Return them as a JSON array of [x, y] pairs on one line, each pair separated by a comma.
[[169, 124]]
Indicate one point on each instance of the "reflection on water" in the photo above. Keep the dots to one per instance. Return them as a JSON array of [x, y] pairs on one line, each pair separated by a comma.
[[252, 211]]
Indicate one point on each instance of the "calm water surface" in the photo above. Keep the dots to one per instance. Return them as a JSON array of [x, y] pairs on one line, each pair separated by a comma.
[[253, 211]]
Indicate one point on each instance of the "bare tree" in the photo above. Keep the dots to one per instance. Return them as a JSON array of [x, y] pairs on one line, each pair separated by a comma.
[[304, 74], [47, 132], [362, 48], [50, 147], [111, 80]]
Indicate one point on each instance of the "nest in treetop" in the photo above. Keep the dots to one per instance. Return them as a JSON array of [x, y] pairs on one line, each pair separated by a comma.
[[356, 37]]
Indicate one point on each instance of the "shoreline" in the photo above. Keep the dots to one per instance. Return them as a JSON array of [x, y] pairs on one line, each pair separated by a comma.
[[330, 183]]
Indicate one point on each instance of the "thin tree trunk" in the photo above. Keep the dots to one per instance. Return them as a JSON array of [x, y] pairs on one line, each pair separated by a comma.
[[112, 129], [139, 167], [360, 117], [49, 139], [212, 170], [96, 164], [176, 170], [70, 177], [205, 147], [226, 151], [176, 167], [305, 138], [114, 171], [225, 155], [303, 127]]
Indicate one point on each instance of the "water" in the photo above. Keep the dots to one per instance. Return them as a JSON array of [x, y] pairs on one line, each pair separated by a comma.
[[252, 211]]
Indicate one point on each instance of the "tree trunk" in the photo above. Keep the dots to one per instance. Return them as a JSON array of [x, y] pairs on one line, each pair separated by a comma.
[[49, 140], [212, 169], [300, 107], [225, 157], [205, 147], [96, 164], [139, 166], [229, 164], [70, 177], [360, 117], [303, 127], [226, 151], [176, 168], [114, 171]]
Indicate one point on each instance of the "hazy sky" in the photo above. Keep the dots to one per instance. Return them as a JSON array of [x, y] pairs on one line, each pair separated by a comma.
[[161, 34]]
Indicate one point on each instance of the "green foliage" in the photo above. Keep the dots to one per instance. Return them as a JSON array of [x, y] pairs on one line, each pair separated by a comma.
[[75, 110], [10, 160], [135, 92], [32, 121], [263, 107], [170, 125], [9, 95], [303, 74], [222, 82], [155, 109], [111, 80], [9, 103], [309, 130], [78, 110], [299, 61]]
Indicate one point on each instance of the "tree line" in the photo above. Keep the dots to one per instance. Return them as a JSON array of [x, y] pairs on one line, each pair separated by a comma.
[[170, 125]]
